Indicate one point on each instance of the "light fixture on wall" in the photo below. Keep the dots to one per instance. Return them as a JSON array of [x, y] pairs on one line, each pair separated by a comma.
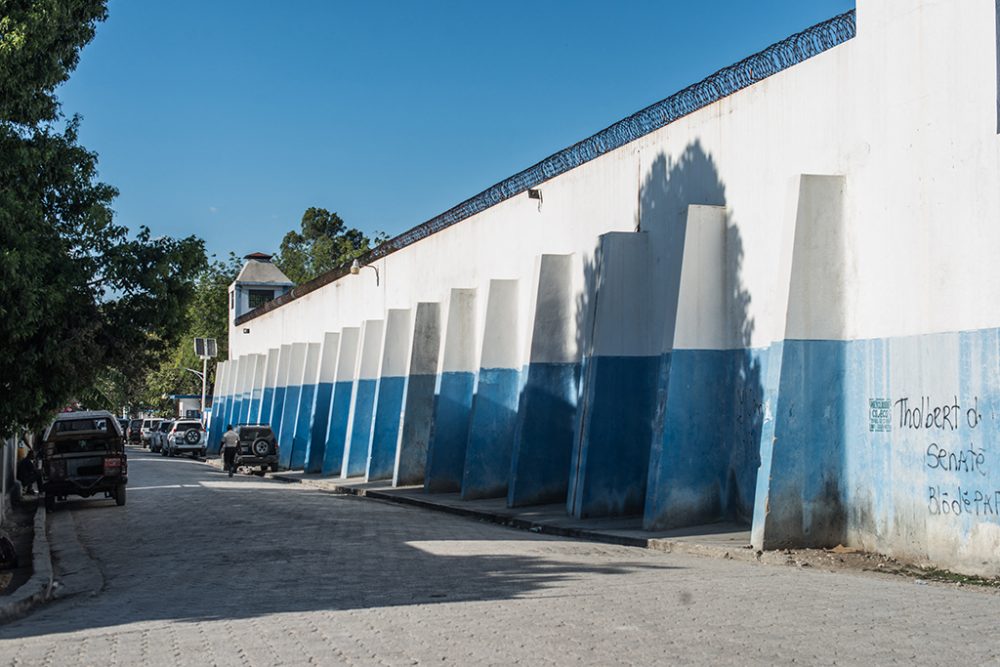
[[356, 267], [535, 193]]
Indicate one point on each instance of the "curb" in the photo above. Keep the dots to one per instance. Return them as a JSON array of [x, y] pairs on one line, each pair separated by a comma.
[[38, 589], [667, 545]]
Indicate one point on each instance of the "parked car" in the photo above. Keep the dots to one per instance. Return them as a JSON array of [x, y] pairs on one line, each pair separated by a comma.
[[83, 454], [186, 436], [135, 432], [158, 438], [148, 426], [258, 447]]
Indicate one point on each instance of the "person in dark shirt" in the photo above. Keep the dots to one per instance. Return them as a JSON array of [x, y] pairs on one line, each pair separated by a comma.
[[27, 474]]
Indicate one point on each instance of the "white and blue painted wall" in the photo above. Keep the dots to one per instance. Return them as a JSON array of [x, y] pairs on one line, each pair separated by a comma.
[[389, 394], [263, 415], [362, 411], [338, 420], [301, 435], [219, 398], [767, 296], [546, 411], [418, 409], [621, 361], [316, 446], [493, 419], [455, 384], [290, 408]]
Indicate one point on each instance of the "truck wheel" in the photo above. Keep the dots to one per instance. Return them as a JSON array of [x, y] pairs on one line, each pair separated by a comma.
[[120, 495], [50, 503], [274, 467]]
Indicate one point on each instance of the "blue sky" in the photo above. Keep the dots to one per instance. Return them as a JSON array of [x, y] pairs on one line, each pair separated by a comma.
[[227, 119]]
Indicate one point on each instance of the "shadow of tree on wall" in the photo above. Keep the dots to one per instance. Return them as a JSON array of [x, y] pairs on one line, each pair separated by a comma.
[[705, 440]]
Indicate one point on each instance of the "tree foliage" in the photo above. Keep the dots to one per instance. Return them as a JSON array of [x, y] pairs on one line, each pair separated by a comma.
[[81, 300], [323, 243], [206, 317]]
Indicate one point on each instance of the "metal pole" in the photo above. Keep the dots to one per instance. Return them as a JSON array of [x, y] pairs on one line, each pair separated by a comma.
[[204, 378]]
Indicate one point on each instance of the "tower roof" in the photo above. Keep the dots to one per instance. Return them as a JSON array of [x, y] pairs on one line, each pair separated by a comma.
[[260, 271]]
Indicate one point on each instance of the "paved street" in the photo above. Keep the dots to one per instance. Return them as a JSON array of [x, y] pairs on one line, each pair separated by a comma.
[[199, 569]]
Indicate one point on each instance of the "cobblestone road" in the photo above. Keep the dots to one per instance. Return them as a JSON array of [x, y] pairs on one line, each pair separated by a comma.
[[199, 569]]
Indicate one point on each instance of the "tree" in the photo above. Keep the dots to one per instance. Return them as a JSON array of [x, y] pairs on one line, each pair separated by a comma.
[[206, 317], [324, 243], [79, 295]]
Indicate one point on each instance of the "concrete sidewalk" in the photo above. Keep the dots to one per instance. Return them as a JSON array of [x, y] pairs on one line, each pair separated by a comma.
[[720, 540]]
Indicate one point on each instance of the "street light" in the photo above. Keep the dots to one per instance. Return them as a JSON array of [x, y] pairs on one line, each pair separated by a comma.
[[206, 349], [356, 267]]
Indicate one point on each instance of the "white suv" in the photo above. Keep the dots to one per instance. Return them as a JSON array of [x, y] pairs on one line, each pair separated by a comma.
[[149, 425], [186, 437]]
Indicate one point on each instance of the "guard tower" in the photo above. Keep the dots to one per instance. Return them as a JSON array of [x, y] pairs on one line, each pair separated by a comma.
[[260, 281]]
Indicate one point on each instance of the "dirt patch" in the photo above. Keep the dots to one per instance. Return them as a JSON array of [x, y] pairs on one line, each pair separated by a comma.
[[849, 558], [19, 527]]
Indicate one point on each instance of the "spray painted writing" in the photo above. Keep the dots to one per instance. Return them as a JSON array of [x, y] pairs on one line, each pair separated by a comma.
[[975, 502], [926, 414], [964, 460]]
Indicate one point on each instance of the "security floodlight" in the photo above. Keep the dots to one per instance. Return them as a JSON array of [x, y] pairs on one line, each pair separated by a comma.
[[356, 267]]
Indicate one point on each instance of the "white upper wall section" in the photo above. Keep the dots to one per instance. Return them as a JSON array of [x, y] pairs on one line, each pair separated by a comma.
[[906, 112]]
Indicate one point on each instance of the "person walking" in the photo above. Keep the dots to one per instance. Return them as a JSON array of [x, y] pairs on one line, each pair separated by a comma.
[[230, 445], [27, 473]]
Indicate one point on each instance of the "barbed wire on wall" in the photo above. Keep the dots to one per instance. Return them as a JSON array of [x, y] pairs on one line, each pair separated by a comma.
[[775, 58]]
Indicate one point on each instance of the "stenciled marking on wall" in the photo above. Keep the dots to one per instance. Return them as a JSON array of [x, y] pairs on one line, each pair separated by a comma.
[[967, 459], [879, 415]]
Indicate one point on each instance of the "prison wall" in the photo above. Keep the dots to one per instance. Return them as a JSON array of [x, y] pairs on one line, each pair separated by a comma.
[[779, 309]]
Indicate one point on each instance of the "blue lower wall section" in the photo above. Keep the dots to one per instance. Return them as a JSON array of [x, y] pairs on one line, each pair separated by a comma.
[[301, 434], [277, 410], [244, 410], [418, 416], [317, 429], [450, 432], [887, 445], [705, 453], [543, 440], [356, 457], [217, 426], [253, 413], [233, 413], [385, 431], [806, 496], [611, 458], [289, 413], [336, 430], [491, 434], [266, 405]]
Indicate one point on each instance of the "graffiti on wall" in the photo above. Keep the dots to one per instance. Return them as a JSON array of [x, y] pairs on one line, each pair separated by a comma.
[[957, 464]]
